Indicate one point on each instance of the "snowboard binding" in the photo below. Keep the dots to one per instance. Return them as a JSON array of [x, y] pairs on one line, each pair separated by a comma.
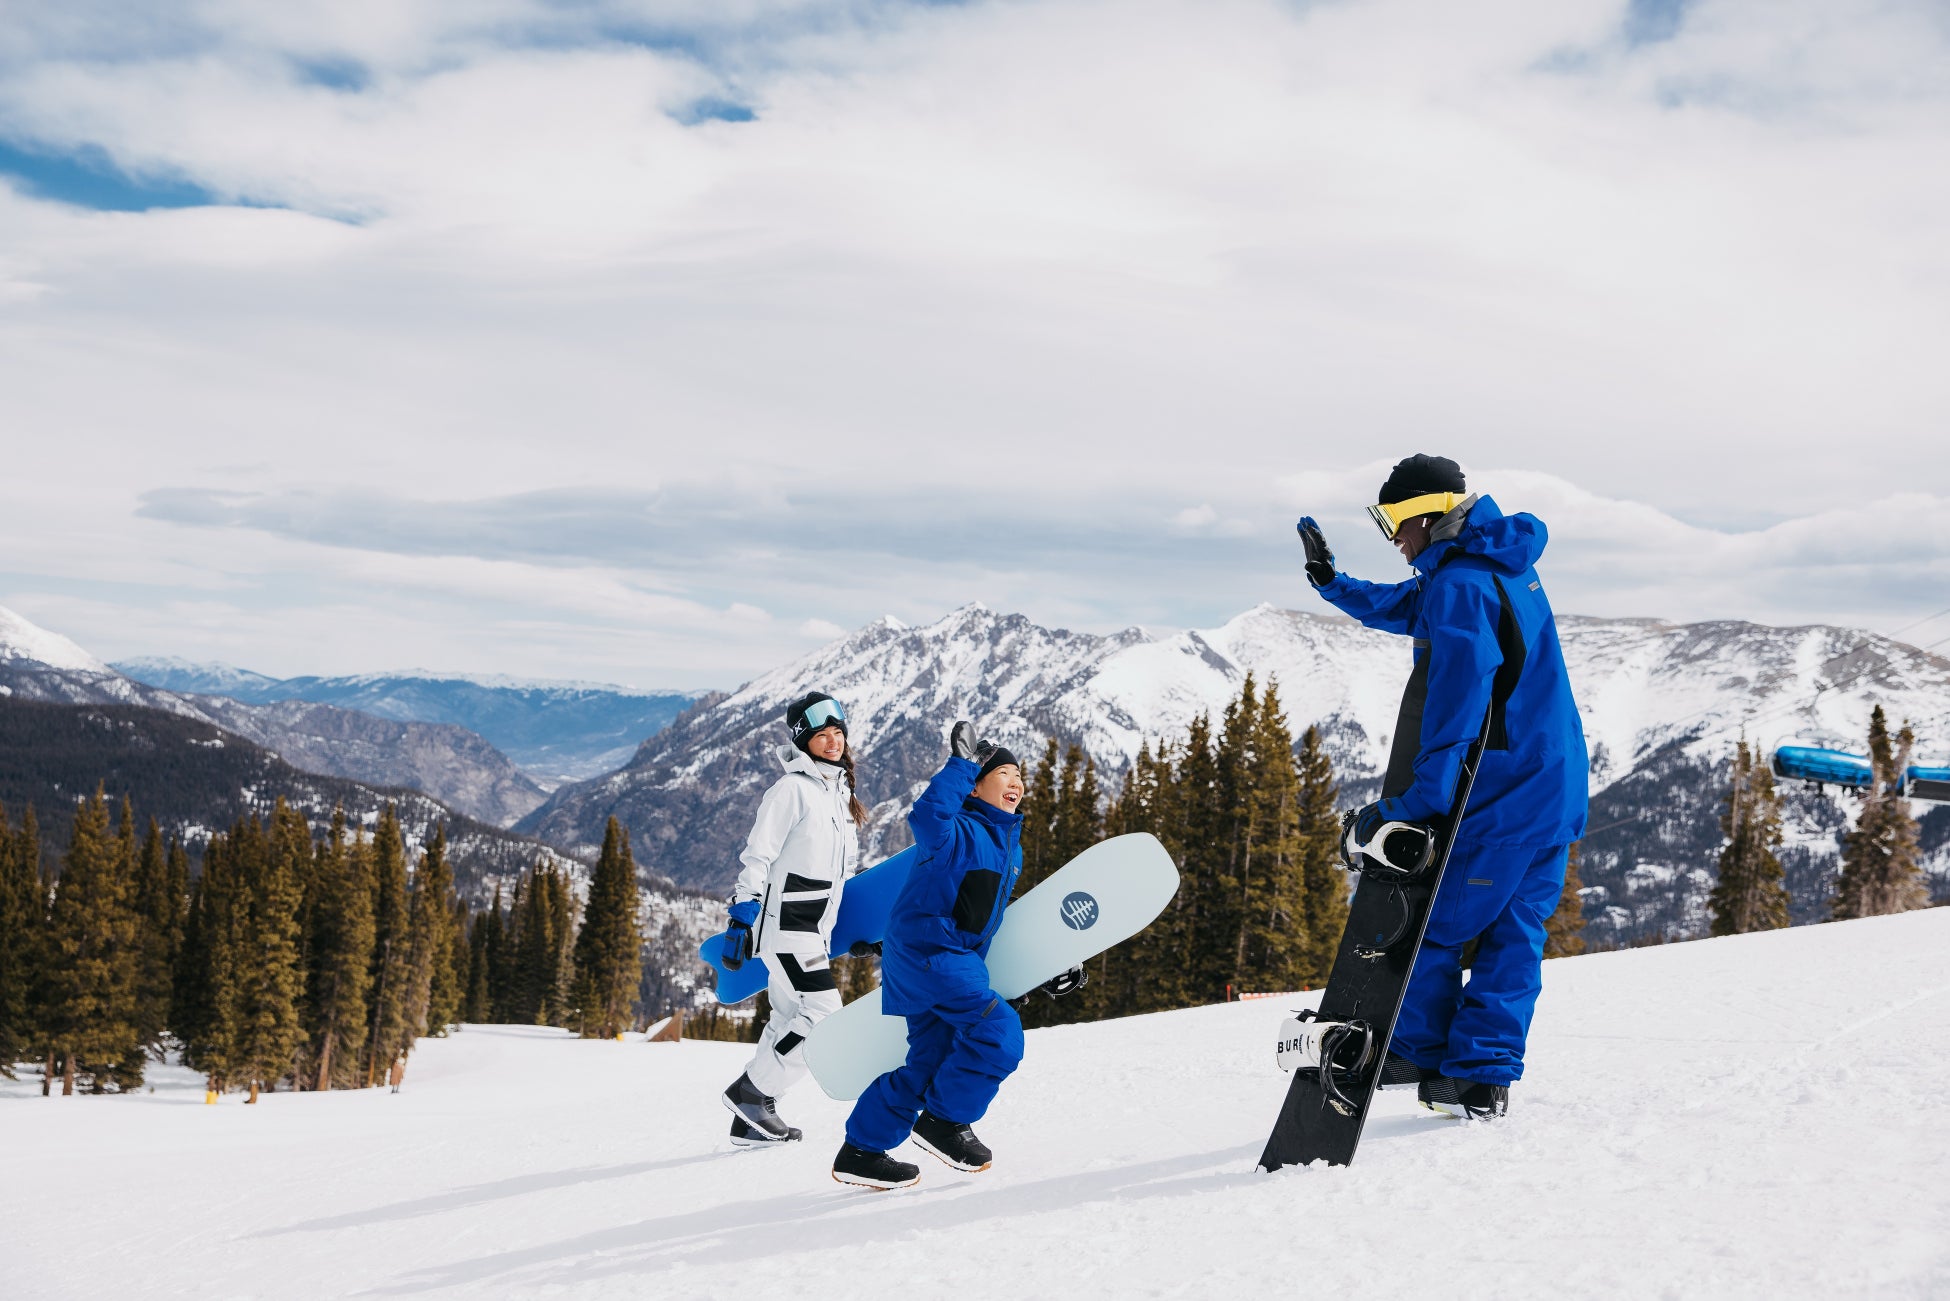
[[1336, 1051], [1397, 855]]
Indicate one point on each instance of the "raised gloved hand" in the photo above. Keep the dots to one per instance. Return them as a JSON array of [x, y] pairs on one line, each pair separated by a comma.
[[863, 948], [1320, 559], [1407, 847], [738, 939], [961, 741]]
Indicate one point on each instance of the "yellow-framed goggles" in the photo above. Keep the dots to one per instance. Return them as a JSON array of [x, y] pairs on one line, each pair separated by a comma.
[[1390, 516]]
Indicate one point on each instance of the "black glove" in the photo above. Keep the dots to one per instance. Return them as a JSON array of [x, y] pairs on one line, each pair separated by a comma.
[[862, 948], [1320, 560], [961, 741]]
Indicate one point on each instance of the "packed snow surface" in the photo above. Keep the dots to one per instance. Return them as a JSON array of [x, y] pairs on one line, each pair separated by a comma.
[[1756, 1116]]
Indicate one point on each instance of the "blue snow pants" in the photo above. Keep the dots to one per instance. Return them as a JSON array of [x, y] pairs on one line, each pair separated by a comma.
[[1475, 1031], [958, 1053]]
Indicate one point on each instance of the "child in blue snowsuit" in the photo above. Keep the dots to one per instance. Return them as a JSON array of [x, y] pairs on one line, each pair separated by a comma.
[[963, 1039], [1485, 641]]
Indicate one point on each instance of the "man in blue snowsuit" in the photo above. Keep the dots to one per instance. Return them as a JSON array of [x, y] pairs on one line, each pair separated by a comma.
[[963, 1039], [1485, 641]]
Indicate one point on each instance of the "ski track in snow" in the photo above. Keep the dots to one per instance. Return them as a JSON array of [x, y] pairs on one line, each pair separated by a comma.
[[1739, 1117]]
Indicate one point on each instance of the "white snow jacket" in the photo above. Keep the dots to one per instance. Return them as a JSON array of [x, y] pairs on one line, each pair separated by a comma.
[[802, 848]]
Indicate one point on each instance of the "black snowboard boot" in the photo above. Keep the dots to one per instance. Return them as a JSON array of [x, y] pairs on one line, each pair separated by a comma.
[[758, 1112], [954, 1144], [864, 1169], [743, 1135], [1400, 1073], [1469, 1099]]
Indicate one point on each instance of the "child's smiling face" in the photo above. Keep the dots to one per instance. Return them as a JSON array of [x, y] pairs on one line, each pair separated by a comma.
[[1001, 788]]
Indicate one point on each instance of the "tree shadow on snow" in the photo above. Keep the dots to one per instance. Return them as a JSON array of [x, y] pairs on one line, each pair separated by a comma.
[[462, 1198], [827, 1220]]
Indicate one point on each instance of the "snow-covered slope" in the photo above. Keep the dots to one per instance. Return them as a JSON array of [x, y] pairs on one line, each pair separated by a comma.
[[21, 640], [1663, 703], [1747, 1117]]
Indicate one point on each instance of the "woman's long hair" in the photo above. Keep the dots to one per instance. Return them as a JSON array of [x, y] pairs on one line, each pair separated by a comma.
[[853, 805]]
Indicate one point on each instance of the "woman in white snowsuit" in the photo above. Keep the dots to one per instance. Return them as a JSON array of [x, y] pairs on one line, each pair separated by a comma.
[[803, 845]]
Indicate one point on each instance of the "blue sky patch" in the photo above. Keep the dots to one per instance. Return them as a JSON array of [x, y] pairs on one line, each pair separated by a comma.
[[1648, 22], [88, 178], [334, 73], [713, 109]]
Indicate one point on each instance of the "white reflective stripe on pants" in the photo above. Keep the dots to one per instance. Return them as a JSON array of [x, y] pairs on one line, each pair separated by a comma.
[[780, 1062]]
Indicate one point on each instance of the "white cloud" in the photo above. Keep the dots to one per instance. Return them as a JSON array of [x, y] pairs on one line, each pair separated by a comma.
[[1146, 252]]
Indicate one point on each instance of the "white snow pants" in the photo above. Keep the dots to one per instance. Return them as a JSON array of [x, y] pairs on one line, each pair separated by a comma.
[[803, 994]]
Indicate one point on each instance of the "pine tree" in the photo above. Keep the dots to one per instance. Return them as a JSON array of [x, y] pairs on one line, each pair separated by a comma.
[[159, 905], [1039, 811], [1750, 895], [1564, 928], [1880, 869], [480, 999], [23, 918], [502, 974], [609, 947], [271, 973], [545, 917], [1325, 886], [203, 1007], [91, 957], [434, 1001], [339, 959], [1271, 951], [387, 1034]]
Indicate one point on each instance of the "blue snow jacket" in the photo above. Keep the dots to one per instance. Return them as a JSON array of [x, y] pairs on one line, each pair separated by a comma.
[[944, 917], [1482, 628]]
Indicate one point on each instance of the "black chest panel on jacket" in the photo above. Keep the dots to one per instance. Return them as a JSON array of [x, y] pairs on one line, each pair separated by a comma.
[[1415, 696]]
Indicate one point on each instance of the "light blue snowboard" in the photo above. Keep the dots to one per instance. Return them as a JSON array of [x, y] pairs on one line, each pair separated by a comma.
[[865, 901], [1102, 897]]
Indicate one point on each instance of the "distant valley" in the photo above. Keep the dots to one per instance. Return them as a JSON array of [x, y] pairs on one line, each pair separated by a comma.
[[553, 731]]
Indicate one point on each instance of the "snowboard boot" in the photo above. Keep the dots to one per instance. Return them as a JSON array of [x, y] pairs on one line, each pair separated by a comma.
[[743, 1135], [1470, 1099], [954, 1144], [864, 1169], [758, 1112], [1400, 1073]]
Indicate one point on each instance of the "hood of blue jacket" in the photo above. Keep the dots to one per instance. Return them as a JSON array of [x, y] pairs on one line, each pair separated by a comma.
[[1510, 543]]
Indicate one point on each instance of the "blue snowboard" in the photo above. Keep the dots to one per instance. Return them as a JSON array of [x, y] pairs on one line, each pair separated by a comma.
[[864, 904]]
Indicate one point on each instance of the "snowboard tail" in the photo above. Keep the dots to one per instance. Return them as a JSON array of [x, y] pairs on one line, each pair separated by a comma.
[[1338, 1050]]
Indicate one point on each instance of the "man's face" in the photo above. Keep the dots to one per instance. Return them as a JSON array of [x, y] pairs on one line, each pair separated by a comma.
[[1001, 788], [1413, 537]]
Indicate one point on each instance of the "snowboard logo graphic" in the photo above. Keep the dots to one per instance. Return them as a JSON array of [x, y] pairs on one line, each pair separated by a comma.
[[1079, 910]]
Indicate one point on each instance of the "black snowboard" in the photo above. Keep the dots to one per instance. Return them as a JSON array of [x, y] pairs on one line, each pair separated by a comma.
[[1319, 1122]]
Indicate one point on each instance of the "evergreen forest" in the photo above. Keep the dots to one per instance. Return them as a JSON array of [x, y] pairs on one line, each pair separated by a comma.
[[297, 957]]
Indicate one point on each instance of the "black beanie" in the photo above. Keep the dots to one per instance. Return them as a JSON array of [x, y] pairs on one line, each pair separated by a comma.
[[997, 757], [1420, 474], [795, 718]]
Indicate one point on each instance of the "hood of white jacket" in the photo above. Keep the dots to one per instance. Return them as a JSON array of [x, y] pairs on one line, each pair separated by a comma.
[[793, 759]]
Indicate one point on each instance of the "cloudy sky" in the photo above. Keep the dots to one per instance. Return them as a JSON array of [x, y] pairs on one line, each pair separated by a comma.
[[658, 342]]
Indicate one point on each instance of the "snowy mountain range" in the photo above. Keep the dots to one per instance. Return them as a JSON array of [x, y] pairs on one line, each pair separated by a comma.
[[1663, 705], [452, 764], [554, 731]]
